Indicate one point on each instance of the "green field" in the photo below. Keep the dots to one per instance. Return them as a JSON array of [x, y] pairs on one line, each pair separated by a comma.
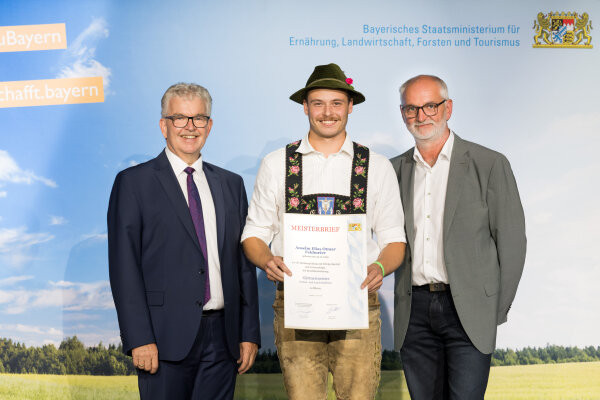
[[579, 381], [59, 387]]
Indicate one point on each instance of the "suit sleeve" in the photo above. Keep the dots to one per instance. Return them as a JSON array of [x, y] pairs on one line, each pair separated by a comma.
[[507, 226], [124, 222], [249, 318]]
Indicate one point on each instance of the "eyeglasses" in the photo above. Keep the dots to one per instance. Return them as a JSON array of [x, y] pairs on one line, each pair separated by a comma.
[[429, 109], [181, 121]]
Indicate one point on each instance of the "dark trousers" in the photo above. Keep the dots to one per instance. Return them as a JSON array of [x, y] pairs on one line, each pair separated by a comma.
[[207, 372], [440, 362]]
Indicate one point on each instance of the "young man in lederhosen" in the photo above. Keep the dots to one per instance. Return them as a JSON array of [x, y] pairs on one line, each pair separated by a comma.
[[327, 164]]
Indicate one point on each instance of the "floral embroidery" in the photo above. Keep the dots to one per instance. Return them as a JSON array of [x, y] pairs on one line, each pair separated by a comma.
[[358, 195], [308, 205], [355, 203], [293, 203], [359, 165], [294, 164], [358, 191], [342, 205], [293, 190]]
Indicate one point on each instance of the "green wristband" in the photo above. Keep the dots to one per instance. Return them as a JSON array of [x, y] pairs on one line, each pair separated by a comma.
[[380, 266]]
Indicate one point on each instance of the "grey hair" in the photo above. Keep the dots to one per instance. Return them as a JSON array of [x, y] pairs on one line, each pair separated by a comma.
[[188, 90], [439, 81]]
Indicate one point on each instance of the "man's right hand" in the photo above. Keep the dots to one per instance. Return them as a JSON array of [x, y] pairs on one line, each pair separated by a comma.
[[275, 268], [145, 357], [260, 255]]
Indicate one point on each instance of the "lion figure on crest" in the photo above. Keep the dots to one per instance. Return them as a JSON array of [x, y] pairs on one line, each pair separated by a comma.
[[583, 29], [542, 24]]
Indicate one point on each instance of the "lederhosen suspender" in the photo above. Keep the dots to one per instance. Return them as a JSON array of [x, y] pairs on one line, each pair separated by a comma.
[[326, 203]]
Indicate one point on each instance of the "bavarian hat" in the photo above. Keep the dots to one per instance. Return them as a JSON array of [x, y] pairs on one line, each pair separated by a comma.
[[328, 76]]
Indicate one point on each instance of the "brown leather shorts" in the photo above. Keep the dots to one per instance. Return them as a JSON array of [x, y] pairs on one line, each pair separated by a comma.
[[352, 356]]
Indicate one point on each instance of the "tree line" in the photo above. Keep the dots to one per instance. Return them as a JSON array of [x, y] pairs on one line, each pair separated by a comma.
[[267, 361], [73, 358]]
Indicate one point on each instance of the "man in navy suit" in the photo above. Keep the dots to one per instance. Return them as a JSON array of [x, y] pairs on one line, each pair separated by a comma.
[[186, 296]]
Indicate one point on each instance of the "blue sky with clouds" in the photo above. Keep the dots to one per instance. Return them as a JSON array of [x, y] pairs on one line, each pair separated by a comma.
[[57, 163]]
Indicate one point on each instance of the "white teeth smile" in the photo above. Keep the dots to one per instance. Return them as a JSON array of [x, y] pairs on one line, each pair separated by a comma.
[[189, 137]]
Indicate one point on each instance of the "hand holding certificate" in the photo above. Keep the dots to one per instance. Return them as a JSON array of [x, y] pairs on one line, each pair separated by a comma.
[[327, 257]]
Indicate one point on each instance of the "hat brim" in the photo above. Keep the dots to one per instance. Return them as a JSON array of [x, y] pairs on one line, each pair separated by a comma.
[[333, 84]]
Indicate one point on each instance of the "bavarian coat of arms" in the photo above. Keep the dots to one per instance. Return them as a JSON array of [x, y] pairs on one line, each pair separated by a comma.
[[563, 30]]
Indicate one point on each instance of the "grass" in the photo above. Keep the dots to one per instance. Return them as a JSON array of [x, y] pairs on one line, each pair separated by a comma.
[[576, 381], [270, 387], [260, 387], [61, 387]]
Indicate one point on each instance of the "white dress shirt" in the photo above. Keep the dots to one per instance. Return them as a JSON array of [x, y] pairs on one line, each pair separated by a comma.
[[210, 223], [321, 174], [429, 198]]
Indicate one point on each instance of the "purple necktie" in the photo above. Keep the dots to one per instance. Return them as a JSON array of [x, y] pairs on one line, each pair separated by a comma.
[[197, 217]]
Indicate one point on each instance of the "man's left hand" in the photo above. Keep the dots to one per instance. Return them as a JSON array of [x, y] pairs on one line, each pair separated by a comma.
[[374, 278], [248, 352]]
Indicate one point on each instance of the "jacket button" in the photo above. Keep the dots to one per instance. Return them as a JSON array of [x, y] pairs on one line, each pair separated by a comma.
[[201, 272], [199, 303]]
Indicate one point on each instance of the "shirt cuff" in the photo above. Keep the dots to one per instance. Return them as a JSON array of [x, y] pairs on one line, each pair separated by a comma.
[[263, 234], [393, 235]]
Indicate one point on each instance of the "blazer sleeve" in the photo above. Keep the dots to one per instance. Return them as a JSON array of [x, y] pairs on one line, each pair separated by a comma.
[[249, 318], [124, 222], [507, 226]]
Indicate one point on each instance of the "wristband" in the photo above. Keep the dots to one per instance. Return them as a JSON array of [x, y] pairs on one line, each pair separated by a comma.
[[380, 266]]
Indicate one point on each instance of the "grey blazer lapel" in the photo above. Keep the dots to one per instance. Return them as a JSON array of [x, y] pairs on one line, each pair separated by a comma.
[[459, 165], [407, 176], [218, 199], [168, 181]]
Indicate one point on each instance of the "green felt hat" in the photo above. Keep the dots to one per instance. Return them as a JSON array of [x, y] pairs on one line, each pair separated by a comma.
[[328, 76]]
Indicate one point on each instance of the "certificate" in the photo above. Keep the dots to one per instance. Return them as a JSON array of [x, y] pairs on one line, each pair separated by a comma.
[[327, 257]]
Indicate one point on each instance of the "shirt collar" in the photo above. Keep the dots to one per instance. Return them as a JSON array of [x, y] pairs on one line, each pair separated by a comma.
[[306, 148], [179, 165], [447, 149], [445, 154]]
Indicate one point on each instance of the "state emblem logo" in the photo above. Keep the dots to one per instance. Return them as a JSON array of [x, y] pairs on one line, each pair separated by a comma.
[[354, 227], [325, 205], [564, 30]]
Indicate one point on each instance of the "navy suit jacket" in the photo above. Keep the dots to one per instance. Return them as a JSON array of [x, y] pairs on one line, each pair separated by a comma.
[[157, 271]]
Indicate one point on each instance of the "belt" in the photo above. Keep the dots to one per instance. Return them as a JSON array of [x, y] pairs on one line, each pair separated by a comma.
[[213, 313], [433, 287]]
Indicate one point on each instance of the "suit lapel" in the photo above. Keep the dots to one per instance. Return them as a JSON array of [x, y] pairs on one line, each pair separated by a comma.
[[407, 174], [459, 165], [168, 181], [218, 199]]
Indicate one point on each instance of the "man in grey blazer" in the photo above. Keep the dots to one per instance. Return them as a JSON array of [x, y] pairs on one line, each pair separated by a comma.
[[465, 254]]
